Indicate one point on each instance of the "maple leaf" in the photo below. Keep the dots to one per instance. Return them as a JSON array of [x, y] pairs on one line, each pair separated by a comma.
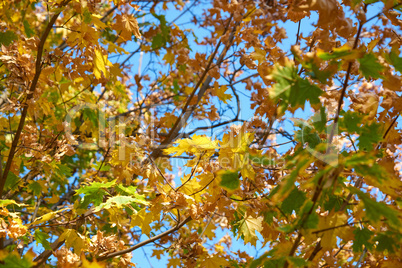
[[174, 262], [128, 26], [395, 60], [259, 55], [47, 216], [60, 163], [73, 239], [329, 238], [291, 89], [7, 202], [95, 192], [370, 67], [119, 202], [197, 144], [374, 210], [143, 220], [230, 180], [100, 62], [362, 238], [247, 227], [214, 261], [14, 260], [344, 51], [41, 238]]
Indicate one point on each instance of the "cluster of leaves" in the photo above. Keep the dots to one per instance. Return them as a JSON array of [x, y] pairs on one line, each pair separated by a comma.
[[98, 160]]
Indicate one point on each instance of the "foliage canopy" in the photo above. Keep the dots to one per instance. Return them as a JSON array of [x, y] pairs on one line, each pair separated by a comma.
[[171, 123]]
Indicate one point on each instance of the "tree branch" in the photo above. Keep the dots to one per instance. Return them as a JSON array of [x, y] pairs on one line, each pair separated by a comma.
[[31, 91], [143, 243], [46, 254], [187, 110]]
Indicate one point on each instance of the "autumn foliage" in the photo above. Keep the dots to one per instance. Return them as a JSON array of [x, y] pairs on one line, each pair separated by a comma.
[[191, 126]]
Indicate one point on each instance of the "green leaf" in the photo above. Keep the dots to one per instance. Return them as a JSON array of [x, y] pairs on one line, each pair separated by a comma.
[[336, 53], [35, 187], [13, 260], [7, 37], [41, 238], [315, 72], [128, 190], [62, 171], [87, 16], [28, 30], [94, 192], [385, 242], [289, 180], [12, 181], [362, 237], [297, 262], [370, 67], [176, 86], [269, 216], [312, 220], [369, 136], [257, 262], [307, 134], [294, 201], [274, 263], [320, 120], [291, 89], [230, 180], [395, 61], [131, 190], [7, 202], [158, 41], [91, 115], [120, 201], [351, 121], [334, 202], [374, 210]]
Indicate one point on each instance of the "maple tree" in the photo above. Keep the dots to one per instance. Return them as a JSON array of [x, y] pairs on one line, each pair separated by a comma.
[[98, 159]]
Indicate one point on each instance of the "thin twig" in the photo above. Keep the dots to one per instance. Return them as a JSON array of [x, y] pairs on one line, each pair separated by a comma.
[[143, 243], [192, 172]]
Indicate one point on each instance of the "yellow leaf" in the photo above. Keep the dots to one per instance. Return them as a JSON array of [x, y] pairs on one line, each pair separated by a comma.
[[53, 199], [7, 202], [131, 24], [45, 72], [197, 144], [214, 262], [142, 220], [169, 58], [219, 91], [259, 55], [329, 237], [174, 262], [73, 239], [47, 217], [127, 25], [112, 48], [94, 264], [247, 229], [100, 62], [157, 253], [96, 20]]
